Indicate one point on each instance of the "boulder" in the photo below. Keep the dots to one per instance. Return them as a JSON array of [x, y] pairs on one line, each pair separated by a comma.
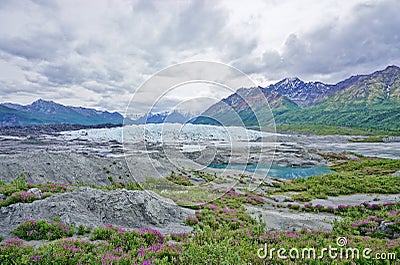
[[35, 191], [92, 207]]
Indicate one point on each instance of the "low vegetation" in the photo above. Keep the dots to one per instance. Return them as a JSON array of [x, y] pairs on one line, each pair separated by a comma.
[[31, 229], [372, 220], [18, 191], [224, 232], [128, 185], [179, 179], [319, 129], [369, 139], [353, 174]]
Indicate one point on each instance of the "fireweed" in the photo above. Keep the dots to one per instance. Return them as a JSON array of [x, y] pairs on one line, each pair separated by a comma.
[[224, 233], [207, 244], [30, 229], [17, 191]]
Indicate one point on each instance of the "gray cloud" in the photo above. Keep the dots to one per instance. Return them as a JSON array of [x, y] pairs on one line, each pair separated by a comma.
[[366, 41], [101, 46], [96, 53]]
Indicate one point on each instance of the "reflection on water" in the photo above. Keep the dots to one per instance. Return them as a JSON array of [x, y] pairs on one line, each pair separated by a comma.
[[277, 171]]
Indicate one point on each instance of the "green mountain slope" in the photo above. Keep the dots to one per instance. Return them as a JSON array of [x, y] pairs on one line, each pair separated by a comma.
[[385, 116], [373, 102], [10, 116], [48, 112], [253, 107], [367, 102]]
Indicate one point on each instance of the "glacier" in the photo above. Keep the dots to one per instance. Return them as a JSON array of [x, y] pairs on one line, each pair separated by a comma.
[[167, 133]]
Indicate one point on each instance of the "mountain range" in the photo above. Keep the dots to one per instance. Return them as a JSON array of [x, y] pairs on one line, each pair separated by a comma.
[[164, 117], [49, 112], [369, 101]]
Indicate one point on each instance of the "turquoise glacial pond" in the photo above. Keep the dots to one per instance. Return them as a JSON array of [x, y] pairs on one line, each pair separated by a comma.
[[278, 171]]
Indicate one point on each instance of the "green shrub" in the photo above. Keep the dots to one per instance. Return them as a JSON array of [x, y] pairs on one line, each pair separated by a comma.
[[19, 196], [81, 230], [180, 179], [132, 185], [17, 191], [110, 178], [104, 233], [42, 229], [20, 182], [14, 251], [191, 220]]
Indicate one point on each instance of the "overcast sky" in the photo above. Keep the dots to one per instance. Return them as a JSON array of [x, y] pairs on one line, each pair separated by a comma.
[[96, 53]]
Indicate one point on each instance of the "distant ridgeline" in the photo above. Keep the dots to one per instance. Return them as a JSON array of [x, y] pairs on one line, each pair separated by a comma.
[[363, 101], [49, 112], [366, 102]]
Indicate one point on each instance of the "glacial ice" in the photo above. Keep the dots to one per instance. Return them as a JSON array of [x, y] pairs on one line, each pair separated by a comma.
[[155, 133]]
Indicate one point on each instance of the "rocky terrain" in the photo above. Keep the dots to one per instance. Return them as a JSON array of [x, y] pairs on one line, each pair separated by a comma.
[[96, 157], [77, 157], [94, 208]]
